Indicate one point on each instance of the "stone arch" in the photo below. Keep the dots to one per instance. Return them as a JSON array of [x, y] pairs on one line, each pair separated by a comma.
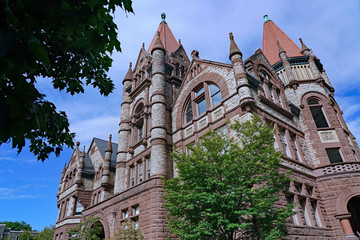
[[103, 221], [138, 103], [344, 197], [210, 77], [259, 65]]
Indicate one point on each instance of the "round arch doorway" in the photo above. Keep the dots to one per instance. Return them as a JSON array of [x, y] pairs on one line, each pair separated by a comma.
[[98, 230], [353, 207]]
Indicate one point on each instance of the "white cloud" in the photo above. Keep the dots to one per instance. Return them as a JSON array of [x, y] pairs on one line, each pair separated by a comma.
[[99, 127], [7, 159], [12, 193]]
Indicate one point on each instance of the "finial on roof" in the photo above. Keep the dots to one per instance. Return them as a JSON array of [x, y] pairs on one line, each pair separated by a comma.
[[195, 54], [163, 16], [143, 45], [266, 18], [234, 49], [179, 41], [303, 46], [77, 143], [109, 145], [83, 152]]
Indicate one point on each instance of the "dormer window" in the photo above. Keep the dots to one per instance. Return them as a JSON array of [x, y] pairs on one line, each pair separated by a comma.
[[316, 110]]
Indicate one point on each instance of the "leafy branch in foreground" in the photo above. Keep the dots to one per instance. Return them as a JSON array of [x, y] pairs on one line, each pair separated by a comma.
[[228, 189], [67, 42]]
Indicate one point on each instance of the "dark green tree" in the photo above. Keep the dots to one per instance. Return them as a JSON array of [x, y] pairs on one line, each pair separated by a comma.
[[228, 189], [17, 226], [89, 228], [68, 42], [46, 234]]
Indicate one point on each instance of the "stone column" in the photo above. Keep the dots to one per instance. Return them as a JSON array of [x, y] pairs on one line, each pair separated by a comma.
[[159, 154], [124, 135], [346, 226], [106, 170]]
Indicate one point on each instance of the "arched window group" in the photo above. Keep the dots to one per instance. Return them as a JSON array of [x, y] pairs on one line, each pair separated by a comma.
[[202, 98]]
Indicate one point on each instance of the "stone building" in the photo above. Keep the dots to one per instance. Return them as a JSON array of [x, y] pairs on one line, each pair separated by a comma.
[[9, 234], [169, 100]]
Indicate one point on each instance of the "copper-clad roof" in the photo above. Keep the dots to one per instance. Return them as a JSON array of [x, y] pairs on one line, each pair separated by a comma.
[[271, 35], [167, 39]]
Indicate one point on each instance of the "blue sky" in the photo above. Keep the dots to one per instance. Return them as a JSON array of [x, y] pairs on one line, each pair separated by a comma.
[[331, 28]]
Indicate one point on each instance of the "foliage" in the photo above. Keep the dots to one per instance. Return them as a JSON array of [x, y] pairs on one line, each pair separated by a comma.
[[46, 234], [67, 41], [17, 226], [88, 229], [26, 235], [127, 231], [228, 189]]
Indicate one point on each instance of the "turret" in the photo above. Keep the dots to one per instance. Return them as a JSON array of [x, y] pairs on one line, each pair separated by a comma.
[[124, 133], [243, 87]]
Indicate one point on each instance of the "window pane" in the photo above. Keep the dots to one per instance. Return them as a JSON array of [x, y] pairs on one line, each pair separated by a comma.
[[78, 208], [319, 117], [198, 92], [334, 155], [188, 113], [216, 99], [213, 89], [202, 106]]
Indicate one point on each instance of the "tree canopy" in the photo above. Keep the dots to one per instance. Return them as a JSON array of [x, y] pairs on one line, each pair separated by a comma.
[[17, 226], [229, 189], [69, 42], [46, 234]]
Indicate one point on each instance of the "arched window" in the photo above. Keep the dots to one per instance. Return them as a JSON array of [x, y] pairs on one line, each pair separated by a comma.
[[317, 113], [204, 97]]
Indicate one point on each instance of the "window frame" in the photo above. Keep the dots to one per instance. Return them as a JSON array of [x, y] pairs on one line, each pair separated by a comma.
[[323, 114]]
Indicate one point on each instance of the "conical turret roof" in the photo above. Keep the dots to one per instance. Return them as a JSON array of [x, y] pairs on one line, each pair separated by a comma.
[[272, 34], [166, 37]]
